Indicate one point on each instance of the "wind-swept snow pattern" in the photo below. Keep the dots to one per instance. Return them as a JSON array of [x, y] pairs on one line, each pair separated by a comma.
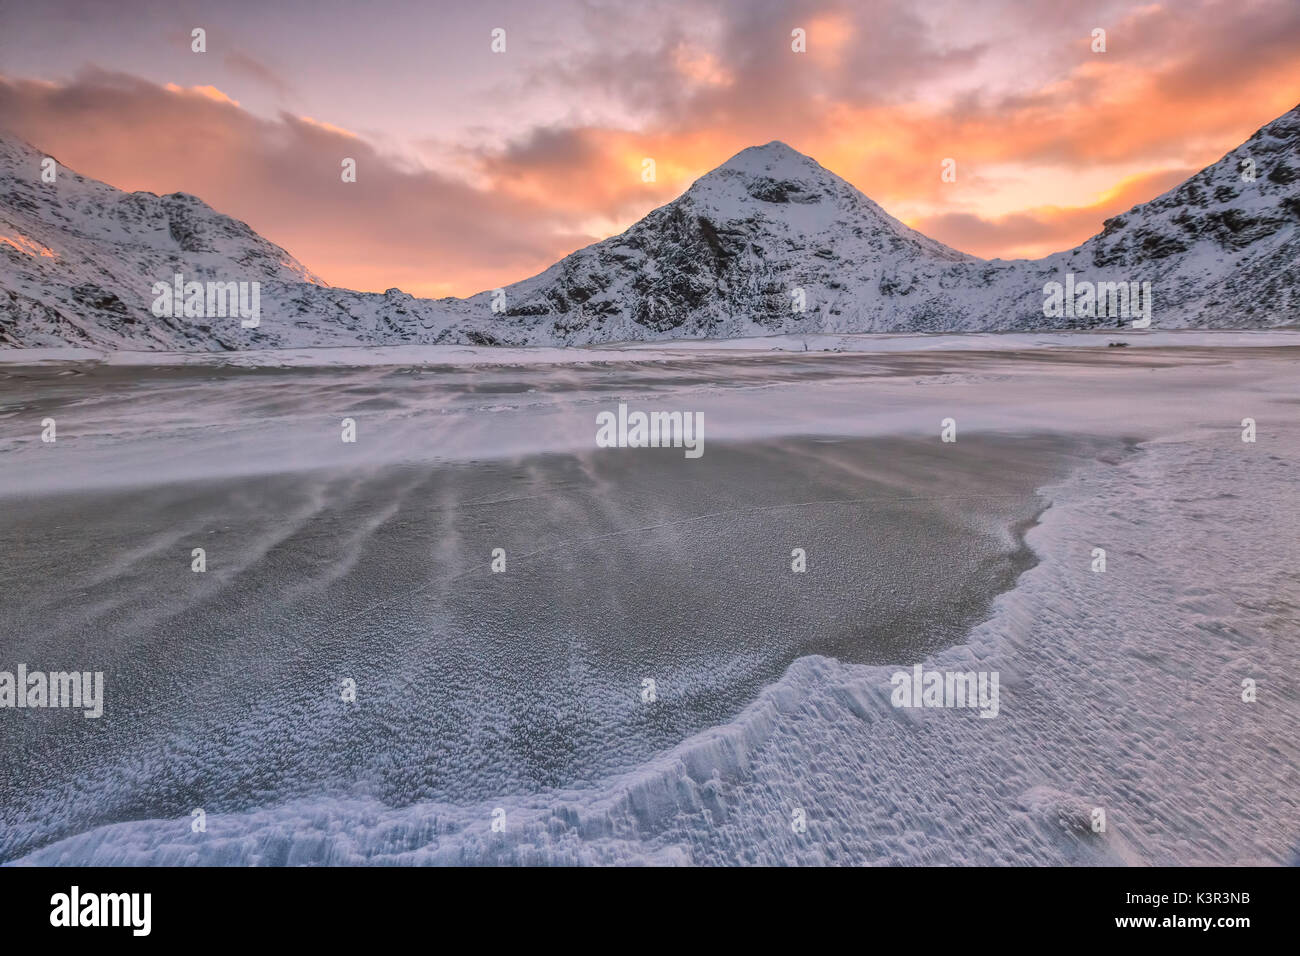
[[1121, 691]]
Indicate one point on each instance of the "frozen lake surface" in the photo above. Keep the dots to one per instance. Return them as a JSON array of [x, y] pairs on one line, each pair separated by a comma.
[[522, 690]]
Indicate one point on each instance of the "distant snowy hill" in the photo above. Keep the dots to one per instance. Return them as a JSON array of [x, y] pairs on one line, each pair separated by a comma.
[[78, 260], [735, 255]]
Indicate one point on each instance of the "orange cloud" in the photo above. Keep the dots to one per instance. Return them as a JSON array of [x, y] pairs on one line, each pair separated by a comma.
[[829, 36], [701, 66], [1049, 138], [414, 229], [207, 92], [1039, 231], [328, 127]]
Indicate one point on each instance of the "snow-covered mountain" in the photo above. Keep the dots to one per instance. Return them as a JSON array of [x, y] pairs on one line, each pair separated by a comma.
[[79, 258], [733, 256], [737, 254], [724, 259]]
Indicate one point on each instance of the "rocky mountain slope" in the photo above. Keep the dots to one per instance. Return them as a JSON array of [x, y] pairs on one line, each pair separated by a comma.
[[737, 254], [1220, 250], [79, 258]]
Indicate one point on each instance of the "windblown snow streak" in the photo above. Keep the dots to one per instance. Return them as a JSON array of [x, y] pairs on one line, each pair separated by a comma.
[[1122, 697]]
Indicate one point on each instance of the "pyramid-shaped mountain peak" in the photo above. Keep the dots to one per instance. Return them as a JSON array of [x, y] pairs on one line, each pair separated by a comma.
[[774, 159]]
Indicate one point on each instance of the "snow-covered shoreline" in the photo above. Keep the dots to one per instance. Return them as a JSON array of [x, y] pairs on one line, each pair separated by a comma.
[[1121, 691], [683, 349]]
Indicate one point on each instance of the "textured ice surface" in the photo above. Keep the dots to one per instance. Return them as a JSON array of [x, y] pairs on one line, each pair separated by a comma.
[[126, 426], [224, 686], [1119, 690]]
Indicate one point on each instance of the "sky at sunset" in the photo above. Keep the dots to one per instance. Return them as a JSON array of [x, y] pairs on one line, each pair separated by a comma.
[[476, 169]]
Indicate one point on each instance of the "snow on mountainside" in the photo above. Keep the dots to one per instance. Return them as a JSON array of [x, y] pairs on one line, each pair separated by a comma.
[[724, 259], [730, 257], [1222, 250], [78, 260]]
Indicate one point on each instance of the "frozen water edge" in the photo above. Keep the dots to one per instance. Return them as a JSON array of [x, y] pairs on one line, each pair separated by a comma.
[[1119, 690], [464, 355]]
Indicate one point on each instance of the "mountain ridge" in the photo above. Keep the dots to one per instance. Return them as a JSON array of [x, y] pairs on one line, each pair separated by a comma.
[[738, 253]]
